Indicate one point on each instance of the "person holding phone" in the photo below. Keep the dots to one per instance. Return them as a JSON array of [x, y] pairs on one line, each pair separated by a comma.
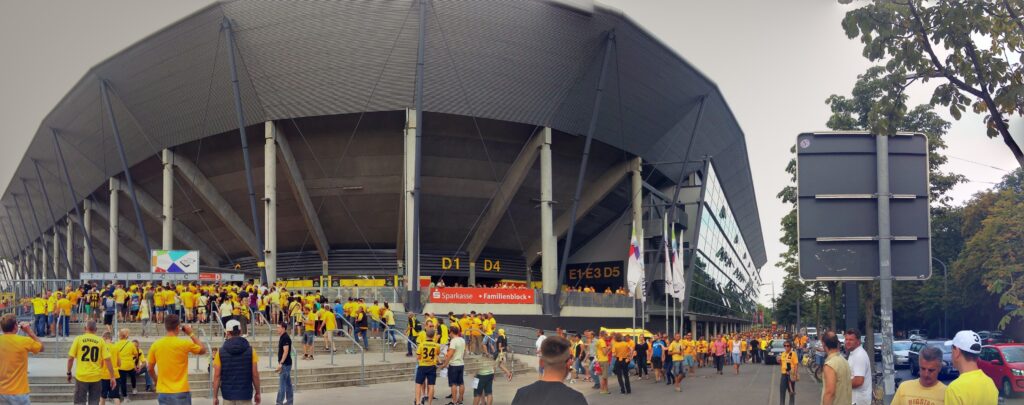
[[168, 362], [788, 363], [14, 350]]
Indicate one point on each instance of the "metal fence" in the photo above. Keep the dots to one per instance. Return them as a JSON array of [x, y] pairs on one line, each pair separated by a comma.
[[582, 299], [368, 294]]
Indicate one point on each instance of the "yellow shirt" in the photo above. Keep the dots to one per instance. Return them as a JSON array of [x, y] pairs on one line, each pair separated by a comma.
[[465, 324], [330, 322], [702, 346], [743, 345], [169, 355], [621, 350], [64, 305], [689, 347], [119, 295], [375, 313], [169, 297], [489, 325], [188, 299], [427, 352], [74, 296], [158, 299], [389, 317], [14, 351], [972, 387], [125, 352], [676, 350], [602, 347], [478, 325], [913, 393], [310, 322], [787, 358], [113, 362], [89, 352]]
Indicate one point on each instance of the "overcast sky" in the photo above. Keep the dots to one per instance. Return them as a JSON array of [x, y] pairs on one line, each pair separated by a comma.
[[775, 62]]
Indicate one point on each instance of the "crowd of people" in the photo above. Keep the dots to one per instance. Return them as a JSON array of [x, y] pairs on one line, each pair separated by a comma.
[[106, 365]]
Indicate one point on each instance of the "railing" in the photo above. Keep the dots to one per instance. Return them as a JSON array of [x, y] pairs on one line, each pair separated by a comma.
[[362, 354], [209, 365], [582, 299], [270, 338], [388, 330], [215, 316]]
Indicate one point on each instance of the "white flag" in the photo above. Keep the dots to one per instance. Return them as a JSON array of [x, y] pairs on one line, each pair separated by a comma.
[[635, 269], [679, 280]]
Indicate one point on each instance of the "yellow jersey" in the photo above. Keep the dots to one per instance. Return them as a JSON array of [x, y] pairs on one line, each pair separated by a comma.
[[90, 352], [602, 350], [676, 350], [14, 363], [428, 351], [169, 355]]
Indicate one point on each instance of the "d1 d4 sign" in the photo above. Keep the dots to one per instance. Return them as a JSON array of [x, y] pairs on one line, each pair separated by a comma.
[[837, 206]]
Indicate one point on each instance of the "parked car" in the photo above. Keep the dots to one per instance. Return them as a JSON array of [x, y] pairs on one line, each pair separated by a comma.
[[877, 344], [947, 357], [775, 348], [901, 353], [918, 334], [991, 338], [1004, 364], [811, 332]]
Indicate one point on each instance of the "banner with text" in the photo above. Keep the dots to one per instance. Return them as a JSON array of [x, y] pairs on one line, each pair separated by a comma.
[[480, 296], [599, 275]]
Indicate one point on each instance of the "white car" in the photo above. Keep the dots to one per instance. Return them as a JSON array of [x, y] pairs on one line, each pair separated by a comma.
[[901, 353]]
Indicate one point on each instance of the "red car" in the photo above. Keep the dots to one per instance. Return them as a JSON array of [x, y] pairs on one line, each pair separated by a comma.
[[1004, 364]]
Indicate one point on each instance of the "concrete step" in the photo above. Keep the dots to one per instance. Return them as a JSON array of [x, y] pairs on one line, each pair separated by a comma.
[[308, 379], [59, 349]]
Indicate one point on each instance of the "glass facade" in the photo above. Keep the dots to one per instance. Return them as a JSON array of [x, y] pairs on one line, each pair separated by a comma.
[[725, 282]]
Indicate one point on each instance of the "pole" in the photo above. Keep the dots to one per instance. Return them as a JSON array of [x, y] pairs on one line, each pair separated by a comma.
[[74, 198], [240, 115], [413, 271], [945, 314], [167, 226], [885, 263], [124, 167], [270, 200], [551, 306]]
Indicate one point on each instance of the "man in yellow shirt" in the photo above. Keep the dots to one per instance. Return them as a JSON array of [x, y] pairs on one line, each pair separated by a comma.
[[167, 362], [676, 349], [93, 360], [111, 391], [426, 369], [158, 304], [63, 310], [926, 390], [623, 353], [14, 350], [188, 301], [689, 351], [476, 333], [119, 295], [972, 386], [375, 326]]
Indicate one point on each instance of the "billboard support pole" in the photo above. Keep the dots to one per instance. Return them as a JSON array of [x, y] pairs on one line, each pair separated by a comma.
[[240, 115], [885, 262], [550, 303], [74, 198]]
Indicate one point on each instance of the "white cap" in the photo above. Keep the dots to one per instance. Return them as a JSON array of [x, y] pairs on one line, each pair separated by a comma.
[[967, 341], [233, 325]]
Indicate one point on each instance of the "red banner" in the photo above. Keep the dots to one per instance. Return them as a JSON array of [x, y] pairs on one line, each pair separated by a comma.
[[481, 296]]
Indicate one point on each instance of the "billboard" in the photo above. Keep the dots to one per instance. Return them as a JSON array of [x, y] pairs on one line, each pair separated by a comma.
[[837, 206], [599, 275], [174, 261], [480, 296]]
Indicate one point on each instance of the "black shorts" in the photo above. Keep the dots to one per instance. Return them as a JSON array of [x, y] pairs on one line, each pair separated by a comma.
[[89, 391], [110, 393], [317, 327], [426, 374], [108, 318], [485, 387], [656, 362], [455, 375]]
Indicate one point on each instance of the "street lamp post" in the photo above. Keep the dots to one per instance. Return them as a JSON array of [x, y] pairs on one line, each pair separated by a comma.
[[945, 299]]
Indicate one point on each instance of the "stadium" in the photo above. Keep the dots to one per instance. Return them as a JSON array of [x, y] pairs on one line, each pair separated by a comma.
[[470, 142]]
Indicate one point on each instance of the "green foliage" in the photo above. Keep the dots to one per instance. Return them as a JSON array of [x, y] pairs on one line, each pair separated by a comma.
[[993, 251], [974, 47]]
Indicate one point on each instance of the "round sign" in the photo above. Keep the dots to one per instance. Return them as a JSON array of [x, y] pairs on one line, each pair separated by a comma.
[[804, 143]]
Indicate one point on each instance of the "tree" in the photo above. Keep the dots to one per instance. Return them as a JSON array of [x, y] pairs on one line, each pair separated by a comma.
[[981, 68], [993, 252]]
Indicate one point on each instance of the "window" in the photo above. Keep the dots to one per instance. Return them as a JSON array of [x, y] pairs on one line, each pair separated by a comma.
[[987, 354]]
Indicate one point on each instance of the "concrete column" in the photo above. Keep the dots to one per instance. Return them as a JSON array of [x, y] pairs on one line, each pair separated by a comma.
[[70, 245], [325, 266], [472, 273], [40, 260], [115, 234], [693, 325], [549, 245], [270, 199], [167, 234], [409, 214], [44, 255]]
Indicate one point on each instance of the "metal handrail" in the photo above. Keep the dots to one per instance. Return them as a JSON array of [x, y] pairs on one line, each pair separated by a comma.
[[220, 322], [270, 339], [362, 354], [209, 366]]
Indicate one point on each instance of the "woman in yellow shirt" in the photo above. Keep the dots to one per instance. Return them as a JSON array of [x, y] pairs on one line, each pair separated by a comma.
[[623, 353], [788, 365]]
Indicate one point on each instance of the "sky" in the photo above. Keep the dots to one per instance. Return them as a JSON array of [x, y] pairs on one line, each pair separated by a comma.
[[774, 61]]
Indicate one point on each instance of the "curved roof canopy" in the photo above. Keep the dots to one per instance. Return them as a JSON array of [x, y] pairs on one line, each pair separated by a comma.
[[531, 62]]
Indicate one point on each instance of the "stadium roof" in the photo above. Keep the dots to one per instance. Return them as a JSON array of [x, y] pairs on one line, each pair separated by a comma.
[[531, 62]]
